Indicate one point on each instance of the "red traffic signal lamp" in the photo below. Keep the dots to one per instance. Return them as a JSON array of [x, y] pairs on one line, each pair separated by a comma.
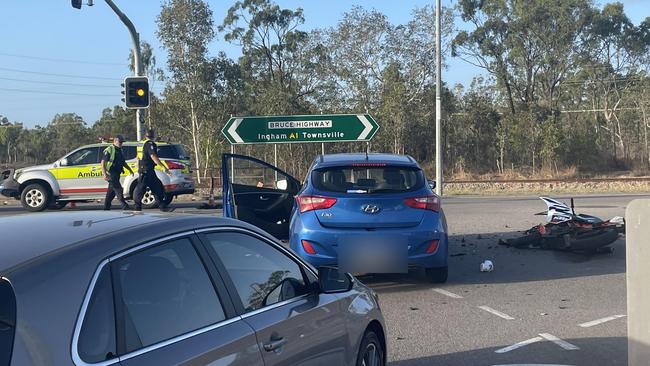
[[136, 92]]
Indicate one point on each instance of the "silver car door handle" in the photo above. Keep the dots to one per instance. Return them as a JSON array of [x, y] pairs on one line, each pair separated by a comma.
[[264, 198], [274, 344]]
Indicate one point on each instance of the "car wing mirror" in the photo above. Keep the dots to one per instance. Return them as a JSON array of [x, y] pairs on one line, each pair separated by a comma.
[[432, 184], [282, 185], [331, 280]]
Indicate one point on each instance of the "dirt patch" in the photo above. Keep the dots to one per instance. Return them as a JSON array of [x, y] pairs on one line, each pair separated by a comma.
[[508, 188]]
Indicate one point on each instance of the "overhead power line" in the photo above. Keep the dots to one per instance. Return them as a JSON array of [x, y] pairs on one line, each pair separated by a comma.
[[56, 93], [59, 83], [63, 60], [58, 75]]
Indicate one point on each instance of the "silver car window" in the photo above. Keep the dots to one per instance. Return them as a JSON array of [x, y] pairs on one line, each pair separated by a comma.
[[262, 275], [166, 292], [89, 155], [97, 337]]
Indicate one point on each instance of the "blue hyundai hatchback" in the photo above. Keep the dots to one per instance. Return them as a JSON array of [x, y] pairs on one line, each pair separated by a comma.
[[368, 213]]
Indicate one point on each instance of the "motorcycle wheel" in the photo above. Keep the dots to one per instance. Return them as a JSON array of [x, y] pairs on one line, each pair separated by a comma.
[[592, 240]]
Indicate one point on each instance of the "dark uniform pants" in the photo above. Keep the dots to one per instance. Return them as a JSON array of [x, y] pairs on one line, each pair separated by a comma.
[[114, 190], [149, 179]]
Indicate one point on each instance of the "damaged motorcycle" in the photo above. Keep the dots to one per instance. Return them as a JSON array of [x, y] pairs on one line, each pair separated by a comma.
[[567, 231]]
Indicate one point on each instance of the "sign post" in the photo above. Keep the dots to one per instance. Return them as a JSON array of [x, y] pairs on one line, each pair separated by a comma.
[[298, 129]]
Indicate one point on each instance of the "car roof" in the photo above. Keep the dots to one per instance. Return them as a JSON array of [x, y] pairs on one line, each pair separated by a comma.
[[127, 143], [31, 236], [329, 160]]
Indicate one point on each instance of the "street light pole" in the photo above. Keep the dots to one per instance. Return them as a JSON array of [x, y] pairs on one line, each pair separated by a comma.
[[438, 105], [135, 38]]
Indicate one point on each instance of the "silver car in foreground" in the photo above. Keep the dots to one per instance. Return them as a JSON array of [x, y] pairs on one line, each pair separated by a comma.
[[109, 288]]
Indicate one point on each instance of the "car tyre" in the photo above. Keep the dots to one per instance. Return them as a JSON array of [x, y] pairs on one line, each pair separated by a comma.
[[437, 275], [371, 351], [59, 205], [149, 200], [35, 197]]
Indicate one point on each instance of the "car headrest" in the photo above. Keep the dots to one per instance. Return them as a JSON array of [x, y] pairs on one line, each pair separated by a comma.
[[393, 177]]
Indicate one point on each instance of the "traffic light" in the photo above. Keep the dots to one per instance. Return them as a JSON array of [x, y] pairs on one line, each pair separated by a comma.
[[76, 4], [136, 92]]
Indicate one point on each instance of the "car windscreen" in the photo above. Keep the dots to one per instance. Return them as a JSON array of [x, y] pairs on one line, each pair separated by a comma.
[[7, 321], [172, 152], [368, 179]]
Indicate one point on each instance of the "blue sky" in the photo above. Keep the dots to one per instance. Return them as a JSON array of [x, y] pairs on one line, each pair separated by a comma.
[[45, 43]]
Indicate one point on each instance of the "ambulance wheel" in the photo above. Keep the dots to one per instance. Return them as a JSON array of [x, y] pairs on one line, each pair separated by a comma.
[[35, 198], [58, 205], [149, 200]]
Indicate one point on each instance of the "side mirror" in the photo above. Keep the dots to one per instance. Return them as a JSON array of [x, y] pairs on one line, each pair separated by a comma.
[[64, 162], [282, 185], [331, 280], [432, 184]]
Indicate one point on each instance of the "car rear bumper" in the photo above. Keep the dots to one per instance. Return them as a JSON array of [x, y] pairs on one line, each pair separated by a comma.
[[9, 187], [325, 241], [178, 184]]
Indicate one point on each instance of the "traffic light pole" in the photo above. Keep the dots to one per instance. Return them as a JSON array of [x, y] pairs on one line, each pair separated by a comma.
[[135, 37], [438, 105]]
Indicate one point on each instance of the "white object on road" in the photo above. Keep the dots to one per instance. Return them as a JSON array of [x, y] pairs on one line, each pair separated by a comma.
[[600, 321], [496, 312], [487, 266], [531, 364], [560, 342], [447, 293], [518, 345], [5, 203], [618, 220]]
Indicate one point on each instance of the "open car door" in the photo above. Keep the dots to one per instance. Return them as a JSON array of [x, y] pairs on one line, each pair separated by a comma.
[[258, 193]]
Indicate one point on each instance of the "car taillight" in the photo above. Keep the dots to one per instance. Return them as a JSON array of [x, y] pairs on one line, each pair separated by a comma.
[[309, 203], [433, 246], [308, 247], [174, 165], [431, 203]]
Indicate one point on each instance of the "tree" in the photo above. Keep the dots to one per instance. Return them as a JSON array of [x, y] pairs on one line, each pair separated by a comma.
[[275, 55], [528, 47], [66, 132], [118, 121], [185, 28]]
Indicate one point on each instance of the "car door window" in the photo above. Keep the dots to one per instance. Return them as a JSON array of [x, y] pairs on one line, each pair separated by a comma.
[[166, 292], [97, 336], [249, 173], [84, 156], [7, 321], [262, 274]]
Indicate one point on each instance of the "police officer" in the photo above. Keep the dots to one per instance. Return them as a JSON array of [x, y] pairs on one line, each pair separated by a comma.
[[148, 177], [113, 165]]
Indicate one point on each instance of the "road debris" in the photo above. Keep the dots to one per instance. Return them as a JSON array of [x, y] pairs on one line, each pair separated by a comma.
[[487, 266]]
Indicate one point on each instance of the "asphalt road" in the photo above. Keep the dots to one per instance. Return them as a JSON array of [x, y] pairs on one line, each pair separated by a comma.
[[529, 310]]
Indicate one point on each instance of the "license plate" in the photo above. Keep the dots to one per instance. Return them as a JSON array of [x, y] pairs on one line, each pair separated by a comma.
[[363, 254]]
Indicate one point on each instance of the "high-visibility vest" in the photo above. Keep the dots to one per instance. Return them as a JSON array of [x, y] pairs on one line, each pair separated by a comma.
[[111, 151]]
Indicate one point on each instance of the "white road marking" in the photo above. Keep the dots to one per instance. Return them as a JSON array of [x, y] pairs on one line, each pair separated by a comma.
[[562, 343], [518, 345], [530, 364], [496, 312], [447, 293], [600, 321]]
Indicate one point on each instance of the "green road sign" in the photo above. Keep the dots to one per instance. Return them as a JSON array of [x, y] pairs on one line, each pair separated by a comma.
[[288, 129]]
